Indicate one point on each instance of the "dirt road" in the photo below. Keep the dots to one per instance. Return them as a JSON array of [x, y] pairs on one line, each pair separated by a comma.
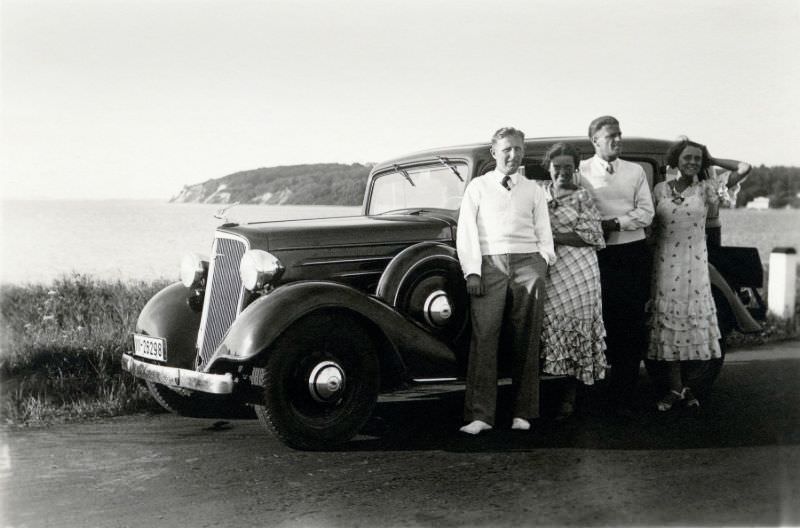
[[736, 462]]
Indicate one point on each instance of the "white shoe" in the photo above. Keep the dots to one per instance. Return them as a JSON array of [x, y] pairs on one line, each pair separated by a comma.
[[475, 427], [520, 424]]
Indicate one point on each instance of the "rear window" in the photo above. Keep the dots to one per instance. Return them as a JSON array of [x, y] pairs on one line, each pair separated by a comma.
[[535, 171], [649, 170]]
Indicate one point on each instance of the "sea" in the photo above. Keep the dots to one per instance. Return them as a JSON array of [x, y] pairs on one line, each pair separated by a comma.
[[44, 240]]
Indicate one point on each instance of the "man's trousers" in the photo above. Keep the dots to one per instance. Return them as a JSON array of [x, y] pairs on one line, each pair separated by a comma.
[[625, 272], [516, 280]]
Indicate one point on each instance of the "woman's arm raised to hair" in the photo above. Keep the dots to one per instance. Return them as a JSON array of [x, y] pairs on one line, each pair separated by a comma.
[[739, 169]]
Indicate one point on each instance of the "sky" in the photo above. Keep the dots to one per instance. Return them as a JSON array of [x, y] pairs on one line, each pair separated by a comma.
[[103, 99]]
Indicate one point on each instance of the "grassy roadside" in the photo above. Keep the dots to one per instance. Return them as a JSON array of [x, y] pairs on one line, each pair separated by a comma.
[[774, 328], [60, 347]]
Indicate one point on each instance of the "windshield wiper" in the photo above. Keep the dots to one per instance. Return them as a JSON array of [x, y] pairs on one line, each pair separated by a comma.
[[405, 210], [405, 174], [450, 166]]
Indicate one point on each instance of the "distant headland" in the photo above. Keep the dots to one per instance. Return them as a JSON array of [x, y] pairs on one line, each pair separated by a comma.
[[341, 184], [311, 184]]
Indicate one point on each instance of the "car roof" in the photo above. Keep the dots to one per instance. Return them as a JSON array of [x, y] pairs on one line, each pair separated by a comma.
[[632, 146]]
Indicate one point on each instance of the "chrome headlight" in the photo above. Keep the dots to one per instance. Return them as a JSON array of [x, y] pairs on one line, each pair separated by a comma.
[[258, 268], [194, 269]]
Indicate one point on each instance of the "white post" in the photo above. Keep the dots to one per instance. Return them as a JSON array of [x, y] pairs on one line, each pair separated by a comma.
[[782, 277]]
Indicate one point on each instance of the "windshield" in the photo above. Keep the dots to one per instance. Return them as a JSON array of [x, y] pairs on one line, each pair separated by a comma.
[[432, 187]]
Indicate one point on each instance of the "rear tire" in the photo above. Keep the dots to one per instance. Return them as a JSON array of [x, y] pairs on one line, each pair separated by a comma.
[[321, 382], [698, 375], [416, 279]]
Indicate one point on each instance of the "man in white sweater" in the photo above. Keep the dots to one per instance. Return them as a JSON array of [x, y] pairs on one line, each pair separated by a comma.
[[622, 195], [504, 244]]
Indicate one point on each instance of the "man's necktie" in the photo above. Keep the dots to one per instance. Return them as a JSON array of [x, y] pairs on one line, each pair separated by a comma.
[[610, 168], [506, 182]]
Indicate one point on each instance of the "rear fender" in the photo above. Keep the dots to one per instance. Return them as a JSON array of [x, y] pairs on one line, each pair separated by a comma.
[[403, 264], [743, 321], [168, 314], [416, 277], [405, 345]]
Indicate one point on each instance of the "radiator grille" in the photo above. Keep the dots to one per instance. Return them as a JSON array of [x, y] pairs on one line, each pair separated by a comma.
[[223, 295]]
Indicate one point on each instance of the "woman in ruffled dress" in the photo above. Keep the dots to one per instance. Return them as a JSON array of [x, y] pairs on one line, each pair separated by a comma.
[[683, 317], [573, 334]]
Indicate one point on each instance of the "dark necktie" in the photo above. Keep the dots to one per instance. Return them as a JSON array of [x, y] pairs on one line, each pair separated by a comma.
[[610, 168], [506, 182]]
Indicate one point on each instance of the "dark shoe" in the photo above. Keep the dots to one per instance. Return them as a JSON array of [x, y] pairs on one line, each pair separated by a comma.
[[667, 402], [689, 399], [624, 412], [566, 410]]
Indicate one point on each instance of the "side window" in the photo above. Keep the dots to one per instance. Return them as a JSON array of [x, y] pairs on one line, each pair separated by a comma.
[[649, 170], [533, 169]]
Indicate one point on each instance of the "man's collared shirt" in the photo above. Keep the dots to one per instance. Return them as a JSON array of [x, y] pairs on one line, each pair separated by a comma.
[[496, 221], [623, 194]]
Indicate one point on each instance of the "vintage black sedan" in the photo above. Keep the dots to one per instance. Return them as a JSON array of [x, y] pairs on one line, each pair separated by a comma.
[[307, 321]]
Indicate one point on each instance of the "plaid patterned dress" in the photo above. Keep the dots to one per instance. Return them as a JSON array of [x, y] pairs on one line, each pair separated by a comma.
[[573, 334]]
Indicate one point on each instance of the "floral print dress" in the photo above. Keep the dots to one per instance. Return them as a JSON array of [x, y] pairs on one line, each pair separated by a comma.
[[683, 317], [573, 334]]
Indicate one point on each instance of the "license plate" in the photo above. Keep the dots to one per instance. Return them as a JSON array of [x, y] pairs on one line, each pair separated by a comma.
[[150, 347]]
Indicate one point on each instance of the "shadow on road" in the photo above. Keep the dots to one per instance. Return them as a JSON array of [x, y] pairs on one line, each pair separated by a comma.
[[754, 404]]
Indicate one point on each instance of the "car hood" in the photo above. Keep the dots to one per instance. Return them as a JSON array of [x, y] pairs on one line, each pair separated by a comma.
[[349, 231]]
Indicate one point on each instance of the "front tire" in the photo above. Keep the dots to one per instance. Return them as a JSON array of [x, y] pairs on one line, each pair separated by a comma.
[[321, 382]]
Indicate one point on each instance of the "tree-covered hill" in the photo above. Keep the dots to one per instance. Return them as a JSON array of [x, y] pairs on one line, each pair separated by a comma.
[[780, 184], [341, 184], [313, 184]]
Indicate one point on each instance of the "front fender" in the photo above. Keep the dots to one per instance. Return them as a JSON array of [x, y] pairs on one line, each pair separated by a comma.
[[168, 314], [260, 324]]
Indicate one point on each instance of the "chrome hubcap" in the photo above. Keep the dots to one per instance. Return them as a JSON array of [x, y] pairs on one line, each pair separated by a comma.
[[437, 309], [326, 382]]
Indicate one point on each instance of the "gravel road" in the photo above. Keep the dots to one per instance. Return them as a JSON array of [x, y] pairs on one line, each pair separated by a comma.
[[737, 462]]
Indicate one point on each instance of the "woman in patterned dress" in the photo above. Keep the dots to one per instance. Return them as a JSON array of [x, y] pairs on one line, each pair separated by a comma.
[[573, 334], [683, 317]]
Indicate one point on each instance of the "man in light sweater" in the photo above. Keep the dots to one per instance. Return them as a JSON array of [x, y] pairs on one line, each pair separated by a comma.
[[622, 195], [504, 244]]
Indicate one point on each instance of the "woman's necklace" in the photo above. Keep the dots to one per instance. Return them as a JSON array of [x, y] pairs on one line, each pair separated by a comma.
[[677, 196]]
